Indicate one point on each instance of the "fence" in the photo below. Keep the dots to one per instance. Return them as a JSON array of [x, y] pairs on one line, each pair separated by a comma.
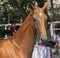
[[52, 28], [4, 28]]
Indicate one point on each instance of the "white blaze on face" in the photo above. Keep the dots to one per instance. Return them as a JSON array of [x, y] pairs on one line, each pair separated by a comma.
[[40, 14]]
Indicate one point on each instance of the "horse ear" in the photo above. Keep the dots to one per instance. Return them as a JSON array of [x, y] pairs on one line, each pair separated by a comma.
[[32, 7], [45, 6]]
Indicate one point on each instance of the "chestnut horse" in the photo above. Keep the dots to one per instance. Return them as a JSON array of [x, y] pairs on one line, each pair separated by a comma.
[[22, 42]]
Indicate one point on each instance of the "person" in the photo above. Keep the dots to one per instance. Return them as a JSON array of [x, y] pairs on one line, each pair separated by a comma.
[[57, 37]]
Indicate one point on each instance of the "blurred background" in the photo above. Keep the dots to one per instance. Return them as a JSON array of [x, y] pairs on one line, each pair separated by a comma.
[[14, 12]]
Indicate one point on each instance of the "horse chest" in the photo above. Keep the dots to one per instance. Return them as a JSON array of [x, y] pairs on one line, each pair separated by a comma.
[[9, 51]]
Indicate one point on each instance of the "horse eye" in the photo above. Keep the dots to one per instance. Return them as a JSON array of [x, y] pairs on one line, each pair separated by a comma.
[[34, 19]]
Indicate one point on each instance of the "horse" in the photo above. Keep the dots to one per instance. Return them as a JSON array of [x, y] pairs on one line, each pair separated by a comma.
[[21, 44]]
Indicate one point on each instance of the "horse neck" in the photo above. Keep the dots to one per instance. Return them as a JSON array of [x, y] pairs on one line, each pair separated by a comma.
[[25, 36], [23, 27]]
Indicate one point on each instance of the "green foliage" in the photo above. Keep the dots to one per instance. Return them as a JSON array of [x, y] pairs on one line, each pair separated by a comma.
[[15, 9]]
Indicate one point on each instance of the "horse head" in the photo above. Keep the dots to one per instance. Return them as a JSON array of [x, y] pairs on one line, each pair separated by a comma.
[[39, 13], [40, 17]]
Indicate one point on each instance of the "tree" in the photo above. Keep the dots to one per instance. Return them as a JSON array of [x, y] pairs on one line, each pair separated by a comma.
[[18, 9]]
